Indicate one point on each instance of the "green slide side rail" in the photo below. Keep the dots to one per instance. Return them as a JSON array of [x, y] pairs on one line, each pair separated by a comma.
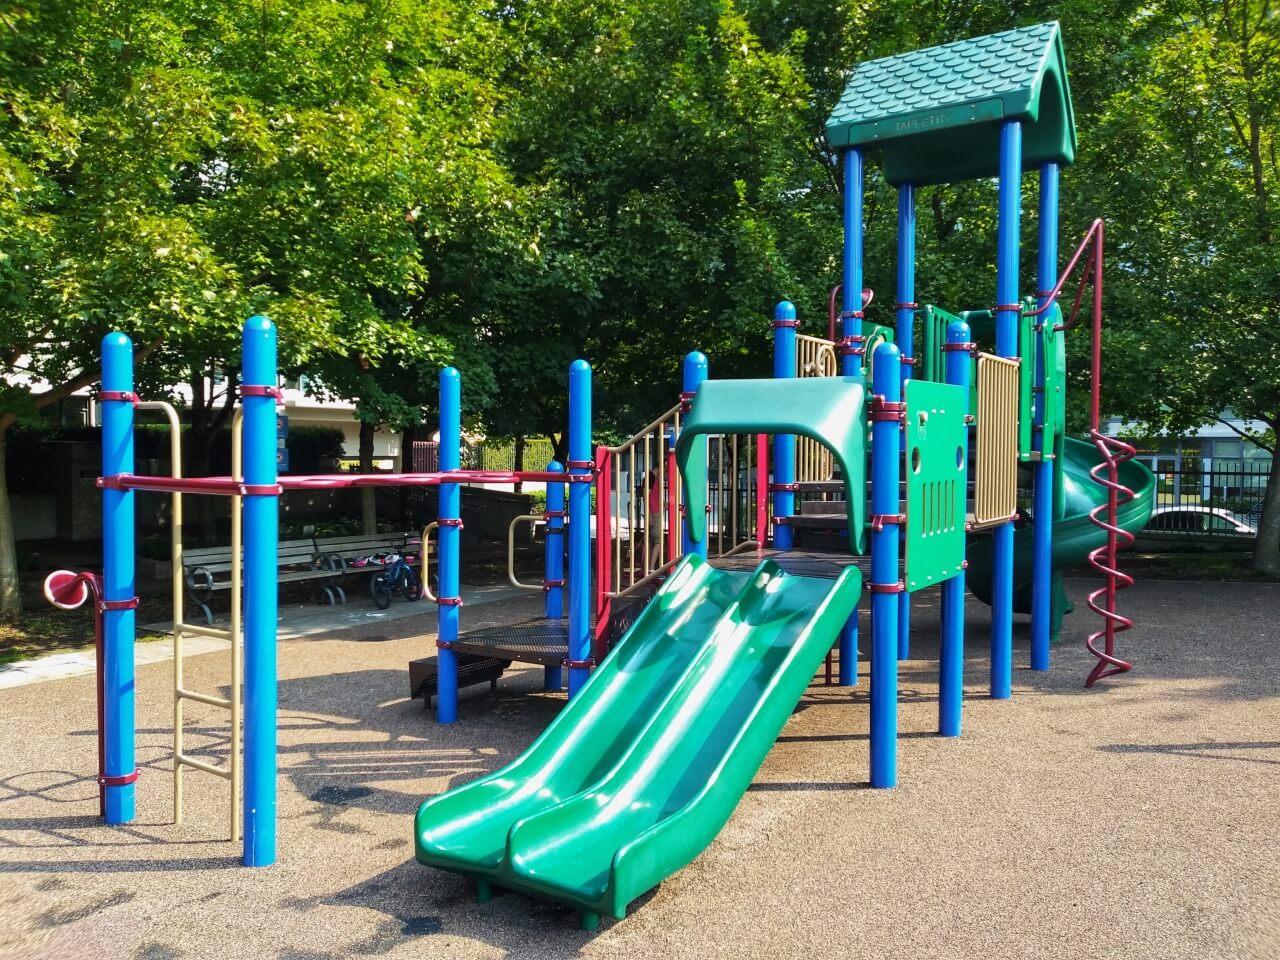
[[1074, 535], [826, 409], [597, 840]]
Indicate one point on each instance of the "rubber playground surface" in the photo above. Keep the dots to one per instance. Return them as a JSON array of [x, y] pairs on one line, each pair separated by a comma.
[[1134, 821]]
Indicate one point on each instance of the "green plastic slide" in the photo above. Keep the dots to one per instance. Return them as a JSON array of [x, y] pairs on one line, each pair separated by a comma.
[[1074, 535], [643, 767]]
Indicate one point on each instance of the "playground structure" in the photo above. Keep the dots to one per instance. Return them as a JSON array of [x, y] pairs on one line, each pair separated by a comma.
[[716, 593]]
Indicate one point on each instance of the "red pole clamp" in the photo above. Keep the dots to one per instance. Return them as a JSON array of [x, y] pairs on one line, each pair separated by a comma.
[[909, 361], [450, 522], [898, 587], [906, 306], [851, 314], [261, 390], [969, 347], [783, 487], [260, 489], [122, 780], [1007, 308], [130, 604], [882, 410], [587, 664], [444, 645], [878, 520], [552, 514], [449, 601], [549, 585], [785, 323], [124, 396], [686, 401], [848, 345]]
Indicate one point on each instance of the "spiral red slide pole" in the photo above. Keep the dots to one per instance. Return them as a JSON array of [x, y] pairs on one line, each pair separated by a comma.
[[1114, 452]]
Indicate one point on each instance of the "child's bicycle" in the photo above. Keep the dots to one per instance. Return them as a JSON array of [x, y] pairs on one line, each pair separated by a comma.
[[397, 576]]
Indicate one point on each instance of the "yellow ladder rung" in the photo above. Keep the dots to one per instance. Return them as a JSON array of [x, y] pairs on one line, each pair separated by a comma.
[[199, 630], [202, 698], [217, 771]]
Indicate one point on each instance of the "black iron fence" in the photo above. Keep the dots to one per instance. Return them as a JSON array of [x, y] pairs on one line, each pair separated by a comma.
[[1211, 500]]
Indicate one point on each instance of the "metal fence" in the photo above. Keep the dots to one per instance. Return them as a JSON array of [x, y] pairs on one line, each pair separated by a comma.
[[1209, 499]]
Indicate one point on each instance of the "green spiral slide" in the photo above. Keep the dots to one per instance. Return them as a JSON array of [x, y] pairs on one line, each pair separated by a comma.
[[639, 772], [1075, 534]]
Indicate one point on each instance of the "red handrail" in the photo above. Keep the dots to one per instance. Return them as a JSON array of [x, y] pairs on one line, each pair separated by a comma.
[[1113, 451]]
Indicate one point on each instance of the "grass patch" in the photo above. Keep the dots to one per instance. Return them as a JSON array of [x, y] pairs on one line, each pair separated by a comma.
[[38, 632]]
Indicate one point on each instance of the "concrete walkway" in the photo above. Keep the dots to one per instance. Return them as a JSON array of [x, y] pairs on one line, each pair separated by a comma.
[[296, 622]]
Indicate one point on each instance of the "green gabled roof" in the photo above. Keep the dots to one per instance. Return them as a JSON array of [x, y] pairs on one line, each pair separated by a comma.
[[936, 112]]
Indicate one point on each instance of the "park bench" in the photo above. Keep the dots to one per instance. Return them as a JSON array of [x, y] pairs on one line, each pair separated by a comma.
[[472, 669], [207, 570]]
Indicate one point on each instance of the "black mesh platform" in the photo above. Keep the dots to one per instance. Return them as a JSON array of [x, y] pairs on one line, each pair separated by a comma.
[[536, 640], [801, 563]]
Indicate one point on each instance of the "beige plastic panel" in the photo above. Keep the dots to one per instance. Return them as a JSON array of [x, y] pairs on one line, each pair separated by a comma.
[[995, 493], [815, 357]]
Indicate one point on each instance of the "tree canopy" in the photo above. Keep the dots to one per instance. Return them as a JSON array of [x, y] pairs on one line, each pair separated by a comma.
[[508, 186]]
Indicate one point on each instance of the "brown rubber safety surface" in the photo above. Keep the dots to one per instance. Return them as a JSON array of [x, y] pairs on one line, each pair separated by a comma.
[[1135, 821]]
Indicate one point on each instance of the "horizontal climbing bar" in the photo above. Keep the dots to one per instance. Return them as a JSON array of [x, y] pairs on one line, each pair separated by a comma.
[[230, 487]]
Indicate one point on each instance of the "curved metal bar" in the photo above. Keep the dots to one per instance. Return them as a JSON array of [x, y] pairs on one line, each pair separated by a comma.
[[511, 551], [426, 581]]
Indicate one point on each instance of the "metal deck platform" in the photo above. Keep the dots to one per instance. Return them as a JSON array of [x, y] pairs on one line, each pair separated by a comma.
[[536, 640], [801, 563]]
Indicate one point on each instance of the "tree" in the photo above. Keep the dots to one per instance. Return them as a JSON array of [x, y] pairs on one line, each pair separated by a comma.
[[173, 166]]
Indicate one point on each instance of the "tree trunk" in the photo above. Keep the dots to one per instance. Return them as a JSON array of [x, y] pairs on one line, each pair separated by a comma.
[[1266, 553], [368, 495], [518, 464], [10, 594]]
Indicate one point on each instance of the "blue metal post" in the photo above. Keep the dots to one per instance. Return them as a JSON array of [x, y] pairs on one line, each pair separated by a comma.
[[1042, 502], [553, 565], [850, 362], [695, 371], [450, 536], [580, 464], [784, 445], [906, 337], [261, 538], [1010, 214], [886, 443], [117, 580], [951, 657]]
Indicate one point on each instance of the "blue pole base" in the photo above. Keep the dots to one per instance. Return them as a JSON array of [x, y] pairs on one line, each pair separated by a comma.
[[446, 686], [904, 626], [849, 651], [118, 804], [551, 679]]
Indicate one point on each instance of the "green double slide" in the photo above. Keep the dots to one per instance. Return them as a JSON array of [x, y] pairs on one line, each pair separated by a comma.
[[1075, 534], [640, 770]]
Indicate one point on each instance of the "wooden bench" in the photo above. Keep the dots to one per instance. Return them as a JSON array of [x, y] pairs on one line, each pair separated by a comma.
[[347, 551], [207, 570]]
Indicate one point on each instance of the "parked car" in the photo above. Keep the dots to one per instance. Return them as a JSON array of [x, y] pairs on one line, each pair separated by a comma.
[[1210, 520]]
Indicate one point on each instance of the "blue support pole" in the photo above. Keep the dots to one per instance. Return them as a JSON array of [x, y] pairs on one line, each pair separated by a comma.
[[450, 537], [261, 539], [784, 445], [886, 450], [695, 371], [118, 733], [906, 337], [1042, 497], [553, 565], [1010, 214], [851, 362], [580, 464], [951, 657]]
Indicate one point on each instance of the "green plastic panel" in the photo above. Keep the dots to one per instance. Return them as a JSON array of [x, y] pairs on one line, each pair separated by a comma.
[[936, 480], [829, 410], [1027, 345], [639, 772], [1055, 378], [934, 321], [936, 112]]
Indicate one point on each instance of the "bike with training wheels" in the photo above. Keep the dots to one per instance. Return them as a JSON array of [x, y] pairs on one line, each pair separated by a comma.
[[397, 576]]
